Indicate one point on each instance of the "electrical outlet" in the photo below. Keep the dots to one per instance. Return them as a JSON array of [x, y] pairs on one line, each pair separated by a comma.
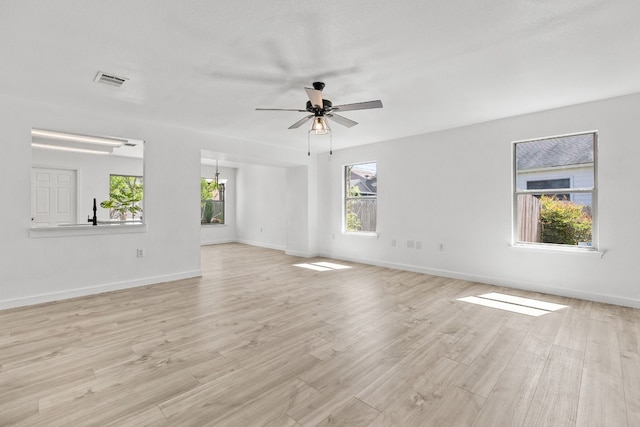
[[418, 245], [140, 253], [441, 247], [393, 242], [410, 243]]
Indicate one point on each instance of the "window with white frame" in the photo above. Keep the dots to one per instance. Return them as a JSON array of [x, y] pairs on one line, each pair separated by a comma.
[[126, 194], [361, 197], [555, 191], [211, 201]]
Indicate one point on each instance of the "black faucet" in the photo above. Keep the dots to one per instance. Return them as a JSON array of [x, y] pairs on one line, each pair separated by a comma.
[[94, 220]]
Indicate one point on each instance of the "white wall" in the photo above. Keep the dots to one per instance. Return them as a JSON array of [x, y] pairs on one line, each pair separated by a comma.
[[34, 270], [454, 188], [277, 208], [302, 211], [261, 206], [43, 269], [297, 212], [221, 233], [451, 187]]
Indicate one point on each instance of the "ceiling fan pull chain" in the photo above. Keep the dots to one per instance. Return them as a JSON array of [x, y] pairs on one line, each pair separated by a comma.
[[331, 144], [309, 144]]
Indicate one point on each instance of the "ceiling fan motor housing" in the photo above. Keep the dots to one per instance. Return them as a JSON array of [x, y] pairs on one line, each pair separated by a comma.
[[326, 106]]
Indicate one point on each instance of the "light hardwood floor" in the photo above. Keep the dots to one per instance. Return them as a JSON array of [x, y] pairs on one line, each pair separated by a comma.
[[260, 342]]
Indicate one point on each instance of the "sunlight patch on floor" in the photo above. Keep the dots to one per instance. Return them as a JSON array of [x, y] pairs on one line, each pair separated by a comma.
[[331, 265], [322, 266], [529, 302], [528, 306]]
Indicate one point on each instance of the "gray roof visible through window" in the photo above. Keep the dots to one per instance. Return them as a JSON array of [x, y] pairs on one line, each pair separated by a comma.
[[552, 152]]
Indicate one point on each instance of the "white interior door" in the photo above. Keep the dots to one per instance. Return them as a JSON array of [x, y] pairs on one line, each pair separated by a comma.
[[53, 197]]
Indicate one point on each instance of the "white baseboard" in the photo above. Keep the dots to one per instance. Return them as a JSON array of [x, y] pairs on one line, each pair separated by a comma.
[[261, 244], [92, 290], [301, 254], [217, 242], [516, 284]]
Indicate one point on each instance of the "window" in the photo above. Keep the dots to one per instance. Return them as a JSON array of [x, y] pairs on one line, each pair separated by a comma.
[[211, 201], [551, 183], [126, 194], [361, 196], [555, 190]]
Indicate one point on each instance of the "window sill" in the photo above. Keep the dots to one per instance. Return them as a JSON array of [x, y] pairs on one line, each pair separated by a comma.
[[361, 233], [585, 251], [86, 230], [213, 225]]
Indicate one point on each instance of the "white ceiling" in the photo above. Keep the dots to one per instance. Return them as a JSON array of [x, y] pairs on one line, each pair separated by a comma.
[[207, 64]]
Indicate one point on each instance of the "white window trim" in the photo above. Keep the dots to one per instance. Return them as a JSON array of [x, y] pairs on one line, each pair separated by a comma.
[[550, 247], [374, 234], [566, 249], [344, 203]]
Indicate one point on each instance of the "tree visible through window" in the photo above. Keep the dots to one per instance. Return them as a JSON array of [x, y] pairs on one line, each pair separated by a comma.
[[126, 193], [211, 201], [361, 197], [555, 190]]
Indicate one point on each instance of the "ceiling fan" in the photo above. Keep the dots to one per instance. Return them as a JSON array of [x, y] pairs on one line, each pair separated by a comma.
[[321, 109]]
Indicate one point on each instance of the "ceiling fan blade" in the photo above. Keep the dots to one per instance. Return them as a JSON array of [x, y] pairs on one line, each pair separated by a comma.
[[315, 96], [300, 122], [341, 120], [280, 109], [358, 106]]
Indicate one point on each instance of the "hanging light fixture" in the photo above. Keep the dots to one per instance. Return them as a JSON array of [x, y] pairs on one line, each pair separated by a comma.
[[319, 126], [217, 174]]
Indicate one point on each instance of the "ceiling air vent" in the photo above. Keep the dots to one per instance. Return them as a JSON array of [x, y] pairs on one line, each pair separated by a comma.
[[110, 79]]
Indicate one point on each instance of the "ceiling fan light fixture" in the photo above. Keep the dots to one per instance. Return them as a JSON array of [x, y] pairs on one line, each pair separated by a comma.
[[318, 107], [319, 126]]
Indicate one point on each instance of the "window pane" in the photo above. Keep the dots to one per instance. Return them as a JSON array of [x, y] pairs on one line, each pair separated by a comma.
[[361, 191], [561, 162], [126, 194], [362, 180], [361, 214], [548, 183], [547, 218], [211, 202]]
